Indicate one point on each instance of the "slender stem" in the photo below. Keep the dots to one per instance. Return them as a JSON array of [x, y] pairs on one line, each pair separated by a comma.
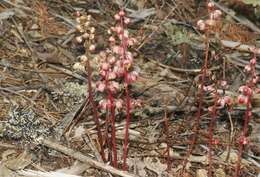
[[244, 134], [200, 101], [128, 104], [112, 113], [211, 129], [112, 109], [91, 99], [128, 99]]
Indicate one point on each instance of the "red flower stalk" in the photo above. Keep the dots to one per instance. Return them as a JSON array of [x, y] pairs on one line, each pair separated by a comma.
[[88, 37], [200, 102], [208, 25], [94, 107], [211, 129], [245, 98], [113, 118], [128, 100]]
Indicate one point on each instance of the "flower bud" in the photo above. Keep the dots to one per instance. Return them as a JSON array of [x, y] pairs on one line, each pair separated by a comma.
[[253, 61], [119, 104], [92, 48], [112, 39], [92, 30], [83, 58], [127, 21], [201, 25], [210, 22], [105, 66], [85, 35], [210, 6], [117, 17], [100, 86], [215, 141], [241, 99], [79, 28], [79, 39], [121, 13], [111, 75], [243, 140], [112, 59], [248, 68], [79, 67]]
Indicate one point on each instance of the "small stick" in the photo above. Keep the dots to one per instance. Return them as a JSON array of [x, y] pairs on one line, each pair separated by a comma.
[[81, 157]]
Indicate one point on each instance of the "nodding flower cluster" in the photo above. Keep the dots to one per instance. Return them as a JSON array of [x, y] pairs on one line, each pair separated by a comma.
[[114, 68], [246, 91], [113, 64], [213, 21], [87, 37]]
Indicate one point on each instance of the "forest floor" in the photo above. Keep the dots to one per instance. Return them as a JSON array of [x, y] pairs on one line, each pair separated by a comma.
[[46, 124]]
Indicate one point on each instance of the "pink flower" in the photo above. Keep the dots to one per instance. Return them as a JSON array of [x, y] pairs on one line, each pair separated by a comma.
[[77, 13], [100, 86], [255, 79], [92, 48], [127, 63], [127, 20], [112, 39], [105, 66], [243, 140], [119, 104], [215, 141], [118, 29], [114, 86], [217, 14], [210, 109], [223, 84], [111, 75], [103, 55], [221, 102], [241, 99], [248, 68], [245, 90], [253, 61], [132, 41], [228, 100], [210, 22], [111, 59], [117, 17], [119, 71], [116, 49], [103, 104], [136, 103], [209, 88], [133, 76], [201, 25], [129, 56], [210, 6], [121, 13], [79, 39]]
